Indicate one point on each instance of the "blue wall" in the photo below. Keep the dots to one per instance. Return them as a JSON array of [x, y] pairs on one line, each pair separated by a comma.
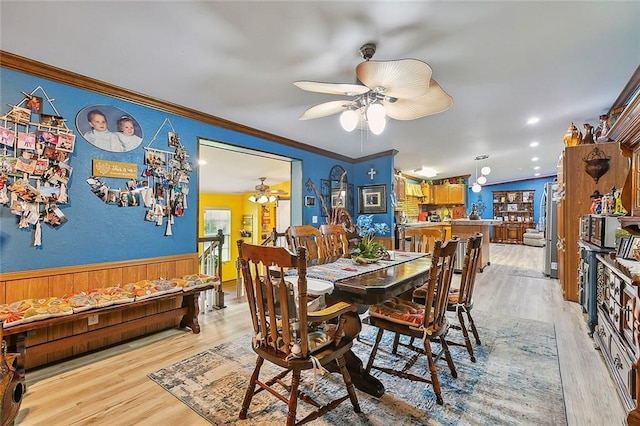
[[96, 232], [487, 197]]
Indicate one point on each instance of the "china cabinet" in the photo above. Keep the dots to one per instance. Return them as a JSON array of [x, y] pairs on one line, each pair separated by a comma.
[[515, 210]]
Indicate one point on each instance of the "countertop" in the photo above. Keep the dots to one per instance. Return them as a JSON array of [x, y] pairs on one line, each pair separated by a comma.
[[470, 222], [422, 224]]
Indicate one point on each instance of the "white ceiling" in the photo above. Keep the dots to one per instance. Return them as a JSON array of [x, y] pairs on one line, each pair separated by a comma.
[[502, 62]]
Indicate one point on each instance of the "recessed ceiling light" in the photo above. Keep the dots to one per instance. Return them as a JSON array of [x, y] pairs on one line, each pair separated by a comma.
[[535, 159], [202, 162], [536, 168], [537, 174], [533, 144], [533, 120], [425, 171]]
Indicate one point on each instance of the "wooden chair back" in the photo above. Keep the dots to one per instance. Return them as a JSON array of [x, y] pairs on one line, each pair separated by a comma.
[[439, 282], [272, 300], [422, 240], [335, 240], [470, 269], [281, 321], [311, 239]]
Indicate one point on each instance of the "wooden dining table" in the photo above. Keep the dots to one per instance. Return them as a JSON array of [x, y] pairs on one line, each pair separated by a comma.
[[373, 287]]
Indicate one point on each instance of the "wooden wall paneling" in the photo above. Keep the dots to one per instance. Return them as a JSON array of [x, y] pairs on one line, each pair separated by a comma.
[[132, 274], [3, 291]]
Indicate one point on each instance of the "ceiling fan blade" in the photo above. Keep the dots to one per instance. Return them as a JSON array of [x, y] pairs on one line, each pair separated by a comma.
[[325, 109], [403, 78], [434, 101], [332, 88]]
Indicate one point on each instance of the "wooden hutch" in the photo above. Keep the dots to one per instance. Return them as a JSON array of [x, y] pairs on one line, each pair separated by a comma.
[[515, 210], [618, 298]]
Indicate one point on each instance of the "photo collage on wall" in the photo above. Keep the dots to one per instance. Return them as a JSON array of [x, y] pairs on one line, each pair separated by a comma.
[[162, 187], [35, 146]]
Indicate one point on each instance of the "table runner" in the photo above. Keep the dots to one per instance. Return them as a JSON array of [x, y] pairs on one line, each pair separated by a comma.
[[347, 268]]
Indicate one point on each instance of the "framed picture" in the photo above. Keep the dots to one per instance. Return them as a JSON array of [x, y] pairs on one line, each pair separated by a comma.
[[512, 207], [309, 201], [633, 246], [372, 199], [622, 245], [109, 128], [338, 198]]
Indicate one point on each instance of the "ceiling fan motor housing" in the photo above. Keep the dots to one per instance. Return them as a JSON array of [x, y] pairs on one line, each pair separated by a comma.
[[367, 51]]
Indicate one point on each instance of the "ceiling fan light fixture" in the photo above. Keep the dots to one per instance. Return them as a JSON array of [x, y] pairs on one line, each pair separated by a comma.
[[262, 199], [272, 198], [376, 118], [349, 120], [253, 199]]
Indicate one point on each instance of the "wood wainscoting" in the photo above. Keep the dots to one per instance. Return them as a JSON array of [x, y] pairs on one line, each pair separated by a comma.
[[57, 282]]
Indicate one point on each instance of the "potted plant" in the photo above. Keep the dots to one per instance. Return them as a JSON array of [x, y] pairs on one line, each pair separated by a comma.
[[368, 250]]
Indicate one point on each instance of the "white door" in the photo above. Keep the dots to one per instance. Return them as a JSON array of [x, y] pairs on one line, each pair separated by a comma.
[[283, 219]]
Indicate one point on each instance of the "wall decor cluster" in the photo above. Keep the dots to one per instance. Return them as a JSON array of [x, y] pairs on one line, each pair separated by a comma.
[[35, 145], [162, 187]]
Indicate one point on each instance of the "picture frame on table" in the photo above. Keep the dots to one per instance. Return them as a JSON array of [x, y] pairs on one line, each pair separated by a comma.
[[372, 199], [633, 246]]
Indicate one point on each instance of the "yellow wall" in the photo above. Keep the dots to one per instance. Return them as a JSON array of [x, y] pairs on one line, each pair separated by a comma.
[[237, 203]]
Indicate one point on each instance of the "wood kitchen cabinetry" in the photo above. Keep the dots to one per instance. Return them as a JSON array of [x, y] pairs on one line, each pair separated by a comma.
[[448, 194]]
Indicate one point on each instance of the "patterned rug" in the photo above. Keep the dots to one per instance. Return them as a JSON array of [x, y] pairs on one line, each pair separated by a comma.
[[516, 380]]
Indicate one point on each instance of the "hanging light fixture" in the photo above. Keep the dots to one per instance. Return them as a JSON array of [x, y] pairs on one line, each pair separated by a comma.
[[477, 185], [263, 194], [376, 118], [349, 120]]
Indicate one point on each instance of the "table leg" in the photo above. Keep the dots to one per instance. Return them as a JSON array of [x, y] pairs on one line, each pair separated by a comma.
[[359, 376]]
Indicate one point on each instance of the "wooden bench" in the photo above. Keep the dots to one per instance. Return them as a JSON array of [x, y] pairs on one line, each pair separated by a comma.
[[50, 340], [16, 336]]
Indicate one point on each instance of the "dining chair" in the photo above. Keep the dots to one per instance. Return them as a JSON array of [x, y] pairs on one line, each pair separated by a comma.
[[287, 335], [425, 321], [461, 299], [422, 240], [311, 239], [335, 240]]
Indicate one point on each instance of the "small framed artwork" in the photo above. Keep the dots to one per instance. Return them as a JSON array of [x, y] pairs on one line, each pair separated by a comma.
[[512, 207], [309, 201], [622, 245], [633, 248], [66, 142], [7, 136], [338, 198], [372, 199]]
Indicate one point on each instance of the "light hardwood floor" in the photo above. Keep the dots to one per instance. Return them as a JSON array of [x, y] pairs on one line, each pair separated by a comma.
[[111, 387]]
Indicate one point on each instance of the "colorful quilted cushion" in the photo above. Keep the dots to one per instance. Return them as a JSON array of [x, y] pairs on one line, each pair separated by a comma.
[[399, 311], [143, 289], [116, 294], [28, 310], [454, 295], [80, 301], [199, 280], [320, 338]]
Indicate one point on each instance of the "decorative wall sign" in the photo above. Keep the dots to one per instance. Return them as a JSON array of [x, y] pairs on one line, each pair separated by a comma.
[[109, 128], [114, 169]]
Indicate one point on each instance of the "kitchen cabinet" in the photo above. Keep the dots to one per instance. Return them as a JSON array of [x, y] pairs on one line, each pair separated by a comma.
[[450, 194], [427, 193]]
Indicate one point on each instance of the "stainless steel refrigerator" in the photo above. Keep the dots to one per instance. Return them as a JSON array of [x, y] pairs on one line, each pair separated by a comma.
[[549, 214]]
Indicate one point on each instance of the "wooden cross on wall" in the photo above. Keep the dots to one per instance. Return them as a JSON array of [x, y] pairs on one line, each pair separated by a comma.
[[371, 173]]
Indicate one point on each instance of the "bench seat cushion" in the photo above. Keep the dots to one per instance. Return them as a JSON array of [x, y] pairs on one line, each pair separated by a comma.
[[192, 281], [28, 310], [399, 311]]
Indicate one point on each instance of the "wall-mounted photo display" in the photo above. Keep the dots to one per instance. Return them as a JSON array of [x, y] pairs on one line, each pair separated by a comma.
[[109, 128], [372, 199], [7, 137], [309, 201]]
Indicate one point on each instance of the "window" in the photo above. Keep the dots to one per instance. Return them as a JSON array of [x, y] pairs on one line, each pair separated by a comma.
[[215, 219]]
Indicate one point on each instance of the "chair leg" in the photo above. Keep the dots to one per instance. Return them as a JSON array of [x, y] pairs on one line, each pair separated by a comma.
[[250, 389], [374, 350], [432, 369], [447, 356], [293, 398], [396, 341], [472, 325], [465, 334], [347, 380]]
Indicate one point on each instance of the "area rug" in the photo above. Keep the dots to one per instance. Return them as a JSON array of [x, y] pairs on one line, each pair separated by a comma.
[[516, 380]]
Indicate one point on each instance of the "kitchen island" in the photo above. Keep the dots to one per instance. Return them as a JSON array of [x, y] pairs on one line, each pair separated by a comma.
[[465, 228]]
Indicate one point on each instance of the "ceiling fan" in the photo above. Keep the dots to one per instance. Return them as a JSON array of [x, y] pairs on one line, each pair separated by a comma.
[[264, 194], [401, 89]]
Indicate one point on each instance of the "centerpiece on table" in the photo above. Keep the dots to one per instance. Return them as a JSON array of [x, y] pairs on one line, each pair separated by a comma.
[[370, 251]]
